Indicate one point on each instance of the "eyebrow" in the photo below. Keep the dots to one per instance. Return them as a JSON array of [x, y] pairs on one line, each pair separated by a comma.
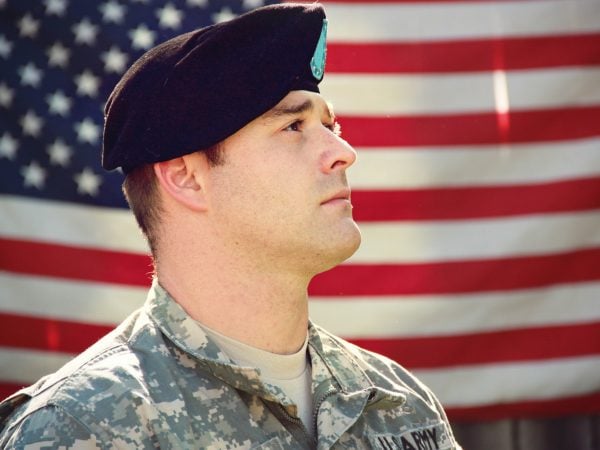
[[289, 110], [295, 109]]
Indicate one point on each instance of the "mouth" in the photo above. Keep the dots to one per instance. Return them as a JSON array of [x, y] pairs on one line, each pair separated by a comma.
[[339, 197]]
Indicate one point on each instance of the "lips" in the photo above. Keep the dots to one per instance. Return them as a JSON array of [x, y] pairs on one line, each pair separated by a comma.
[[343, 194]]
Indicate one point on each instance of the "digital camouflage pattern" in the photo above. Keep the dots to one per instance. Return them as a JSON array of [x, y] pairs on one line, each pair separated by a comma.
[[157, 381]]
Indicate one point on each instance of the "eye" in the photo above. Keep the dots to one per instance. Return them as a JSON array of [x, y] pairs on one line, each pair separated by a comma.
[[294, 126], [334, 127]]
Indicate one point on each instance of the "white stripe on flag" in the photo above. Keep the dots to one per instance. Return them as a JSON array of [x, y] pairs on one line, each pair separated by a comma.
[[413, 242], [419, 315], [383, 242], [429, 167], [96, 303], [513, 382], [69, 224], [459, 20], [27, 366], [351, 317], [378, 95]]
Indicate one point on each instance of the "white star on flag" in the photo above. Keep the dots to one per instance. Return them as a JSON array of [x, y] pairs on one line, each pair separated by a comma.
[[6, 95], [87, 131], [33, 175], [112, 12], [142, 38], [5, 47], [87, 84], [88, 182], [85, 32], [59, 103], [114, 60], [8, 146], [251, 4], [60, 153], [28, 26], [30, 75], [169, 16], [31, 124], [58, 55], [223, 15], [56, 7]]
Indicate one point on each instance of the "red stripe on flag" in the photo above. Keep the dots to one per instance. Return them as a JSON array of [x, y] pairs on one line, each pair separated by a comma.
[[54, 335], [464, 55], [472, 129], [584, 404], [62, 261], [476, 201], [489, 347], [7, 389], [350, 279], [500, 274]]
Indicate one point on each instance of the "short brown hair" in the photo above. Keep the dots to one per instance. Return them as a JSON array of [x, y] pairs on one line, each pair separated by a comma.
[[141, 191]]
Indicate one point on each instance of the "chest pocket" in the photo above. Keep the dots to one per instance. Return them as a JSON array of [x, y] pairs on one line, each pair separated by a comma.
[[431, 437]]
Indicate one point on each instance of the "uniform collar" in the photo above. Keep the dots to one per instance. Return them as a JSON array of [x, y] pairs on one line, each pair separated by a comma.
[[332, 364], [199, 349], [333, 360]]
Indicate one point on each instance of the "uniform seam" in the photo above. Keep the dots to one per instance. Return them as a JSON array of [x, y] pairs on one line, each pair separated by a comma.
[[99, 357]]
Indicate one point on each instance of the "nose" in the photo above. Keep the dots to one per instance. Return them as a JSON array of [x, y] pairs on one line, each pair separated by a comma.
[[338, 156]]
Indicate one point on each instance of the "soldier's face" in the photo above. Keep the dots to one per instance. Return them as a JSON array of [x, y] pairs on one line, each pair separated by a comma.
[[282, 192]]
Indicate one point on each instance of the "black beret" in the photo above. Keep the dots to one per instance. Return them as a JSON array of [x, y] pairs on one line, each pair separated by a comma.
[[194, 90]]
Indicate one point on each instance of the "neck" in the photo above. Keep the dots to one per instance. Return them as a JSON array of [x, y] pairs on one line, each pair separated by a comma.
[[259, 305]]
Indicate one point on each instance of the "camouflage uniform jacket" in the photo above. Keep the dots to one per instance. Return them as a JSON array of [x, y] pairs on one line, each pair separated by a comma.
[[157, 381]]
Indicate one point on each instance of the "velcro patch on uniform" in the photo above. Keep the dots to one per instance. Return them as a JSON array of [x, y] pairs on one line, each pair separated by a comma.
[[430, 437]]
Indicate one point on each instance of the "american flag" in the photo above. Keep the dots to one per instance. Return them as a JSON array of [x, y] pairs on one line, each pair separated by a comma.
[[477, 189]]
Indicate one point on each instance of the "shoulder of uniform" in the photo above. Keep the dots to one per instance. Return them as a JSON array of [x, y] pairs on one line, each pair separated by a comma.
[[87, 386], [49, 424], [103, 389]]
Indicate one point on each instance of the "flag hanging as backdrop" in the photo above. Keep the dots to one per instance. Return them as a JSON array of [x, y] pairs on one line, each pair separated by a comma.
[[477, 189]]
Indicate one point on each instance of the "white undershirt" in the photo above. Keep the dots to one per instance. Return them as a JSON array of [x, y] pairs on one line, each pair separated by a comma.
[[291, 373]]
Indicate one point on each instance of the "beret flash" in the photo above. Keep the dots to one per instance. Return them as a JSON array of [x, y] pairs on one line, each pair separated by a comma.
[[194, 90]]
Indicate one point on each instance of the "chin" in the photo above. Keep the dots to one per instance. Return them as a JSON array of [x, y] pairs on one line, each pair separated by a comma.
[[344, 246], [352, 244]]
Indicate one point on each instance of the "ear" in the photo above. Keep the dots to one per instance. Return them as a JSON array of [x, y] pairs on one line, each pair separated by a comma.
[[182, 179]]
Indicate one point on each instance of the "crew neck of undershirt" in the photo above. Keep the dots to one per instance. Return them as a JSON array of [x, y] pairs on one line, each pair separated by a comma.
[[272, 365]]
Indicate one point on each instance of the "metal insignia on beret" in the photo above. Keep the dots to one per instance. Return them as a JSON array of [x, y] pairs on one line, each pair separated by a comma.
[[317, 63]]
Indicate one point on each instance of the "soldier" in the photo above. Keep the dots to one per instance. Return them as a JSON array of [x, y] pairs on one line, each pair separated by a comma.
[[236, 173]]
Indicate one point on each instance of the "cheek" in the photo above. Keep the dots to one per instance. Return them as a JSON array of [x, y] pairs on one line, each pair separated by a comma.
[[245, 191], [278, 185], [280, 181]]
